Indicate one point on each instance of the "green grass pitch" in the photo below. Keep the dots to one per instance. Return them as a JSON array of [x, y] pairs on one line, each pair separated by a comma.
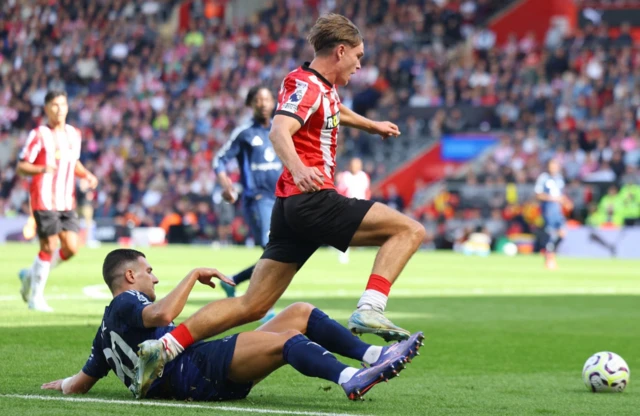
[[504, 336]]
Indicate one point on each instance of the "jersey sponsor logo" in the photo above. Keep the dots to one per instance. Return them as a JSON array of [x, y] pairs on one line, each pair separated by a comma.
[[269, 154], [333, 121], [266, 166], [256, 141], [294, 99]]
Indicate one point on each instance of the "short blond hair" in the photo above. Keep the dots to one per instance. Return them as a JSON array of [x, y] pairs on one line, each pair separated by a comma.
[[332, 30]]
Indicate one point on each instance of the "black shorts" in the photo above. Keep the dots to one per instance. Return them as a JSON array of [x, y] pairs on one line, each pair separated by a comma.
[[302, 223], [50, 223]]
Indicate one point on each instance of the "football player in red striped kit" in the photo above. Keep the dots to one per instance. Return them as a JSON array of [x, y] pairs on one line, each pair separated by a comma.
[[50, 157], [308, 212]]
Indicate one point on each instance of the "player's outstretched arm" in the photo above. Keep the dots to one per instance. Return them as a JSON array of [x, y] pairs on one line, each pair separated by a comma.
[[385, 129], [307, 179], [29, 169], [80, 383], [82, 172], [163, 312]]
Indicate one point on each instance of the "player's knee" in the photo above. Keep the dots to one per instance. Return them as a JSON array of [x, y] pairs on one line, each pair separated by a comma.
[[255, 312], [69, 251], [416, 232], [301, 309]]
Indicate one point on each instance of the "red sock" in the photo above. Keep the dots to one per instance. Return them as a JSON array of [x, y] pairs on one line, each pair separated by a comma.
[[62, 256], [182, 335], [379, 284], [44, 256]]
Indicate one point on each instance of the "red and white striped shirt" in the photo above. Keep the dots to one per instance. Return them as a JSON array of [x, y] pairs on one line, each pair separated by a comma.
[[312, 100], [53, 191]]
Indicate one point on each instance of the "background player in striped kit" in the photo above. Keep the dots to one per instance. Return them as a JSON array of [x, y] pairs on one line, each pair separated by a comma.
[[51, 158]]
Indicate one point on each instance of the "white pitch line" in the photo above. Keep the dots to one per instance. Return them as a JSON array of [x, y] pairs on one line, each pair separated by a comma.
[[400, 293], [164, 404]]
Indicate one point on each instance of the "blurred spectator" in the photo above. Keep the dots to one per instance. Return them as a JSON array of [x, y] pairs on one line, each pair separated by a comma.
[[610, 209]]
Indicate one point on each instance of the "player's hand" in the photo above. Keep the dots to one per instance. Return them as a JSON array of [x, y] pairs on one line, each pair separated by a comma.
[[49, 169], [308, 179], [566, 203], [53, 385], [229, 195], [385, 129], [205, 275], [92, 181]]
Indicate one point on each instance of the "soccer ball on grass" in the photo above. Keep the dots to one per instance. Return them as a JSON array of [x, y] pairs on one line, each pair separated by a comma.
[[605, 372]]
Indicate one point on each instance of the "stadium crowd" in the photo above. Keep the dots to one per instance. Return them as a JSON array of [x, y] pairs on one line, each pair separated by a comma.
[[154, 101], [574, 98]]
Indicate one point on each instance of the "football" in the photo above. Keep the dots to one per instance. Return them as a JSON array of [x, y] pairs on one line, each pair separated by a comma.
[[606, 372], [510, 249]]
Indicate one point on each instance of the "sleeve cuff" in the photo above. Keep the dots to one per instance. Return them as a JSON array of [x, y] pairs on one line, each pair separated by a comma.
[[286, 113]]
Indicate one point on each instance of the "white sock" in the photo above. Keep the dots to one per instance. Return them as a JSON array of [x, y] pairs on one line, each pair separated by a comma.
[[55, 259], [39, 275], [372, 299], [372, 354], [171, 346], [347, 374]]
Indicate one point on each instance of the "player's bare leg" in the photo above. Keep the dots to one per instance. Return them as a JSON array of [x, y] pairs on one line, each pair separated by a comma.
[[295, 316], [68, 247], [268, 283], [257, 355], [398, 237]]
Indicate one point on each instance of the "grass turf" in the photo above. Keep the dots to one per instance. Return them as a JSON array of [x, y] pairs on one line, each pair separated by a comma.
[[504, 336]]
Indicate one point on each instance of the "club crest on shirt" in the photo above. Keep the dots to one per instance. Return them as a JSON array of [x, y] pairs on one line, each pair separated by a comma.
[[296, 97], [256, 141]]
